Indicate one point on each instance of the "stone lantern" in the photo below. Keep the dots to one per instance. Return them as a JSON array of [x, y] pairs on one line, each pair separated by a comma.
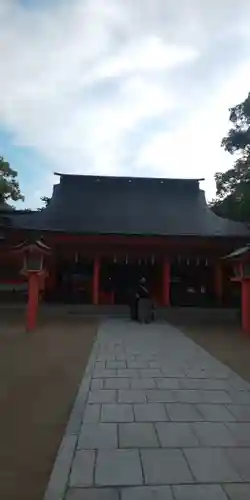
[[33, 260]]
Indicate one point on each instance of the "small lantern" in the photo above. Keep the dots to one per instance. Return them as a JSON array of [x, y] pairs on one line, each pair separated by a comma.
[[33, 253], [237, 270], [33, 261], [240, 261], [33, 256], [246, 270]]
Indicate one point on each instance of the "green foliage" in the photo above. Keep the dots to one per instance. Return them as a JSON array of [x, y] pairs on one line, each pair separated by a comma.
[[233, 186], [46, 202], [9, 185]]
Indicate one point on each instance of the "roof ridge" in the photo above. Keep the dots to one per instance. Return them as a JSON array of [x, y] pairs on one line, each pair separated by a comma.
[[127, 177]]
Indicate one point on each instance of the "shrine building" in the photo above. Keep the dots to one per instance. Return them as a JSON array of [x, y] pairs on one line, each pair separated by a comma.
[[106, 232]]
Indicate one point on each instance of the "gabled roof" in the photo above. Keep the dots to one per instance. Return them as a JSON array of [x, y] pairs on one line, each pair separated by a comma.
[[238, 253], [129, 206]]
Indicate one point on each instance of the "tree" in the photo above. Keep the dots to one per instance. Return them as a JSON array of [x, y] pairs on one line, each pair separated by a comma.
[[9, 185], [45, 200], [233, 186]]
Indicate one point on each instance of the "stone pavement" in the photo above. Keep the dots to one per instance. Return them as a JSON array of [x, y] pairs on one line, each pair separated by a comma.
[[156, 417]]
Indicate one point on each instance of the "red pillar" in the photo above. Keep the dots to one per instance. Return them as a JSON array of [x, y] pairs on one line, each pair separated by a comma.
[[166, 284], [218, 283], [96, 273], [245, 305], [33, 297]]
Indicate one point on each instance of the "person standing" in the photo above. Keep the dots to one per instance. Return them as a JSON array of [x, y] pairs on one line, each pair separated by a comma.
[[144, 303], [133, 303]]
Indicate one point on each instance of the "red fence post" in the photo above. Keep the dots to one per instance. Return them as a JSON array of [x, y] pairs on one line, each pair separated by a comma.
[[33, 297], [96, 274], [166, 284]]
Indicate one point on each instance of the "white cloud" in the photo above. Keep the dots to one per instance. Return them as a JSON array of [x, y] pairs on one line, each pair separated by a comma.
[[193, 150], [81, 78], [149, 54]]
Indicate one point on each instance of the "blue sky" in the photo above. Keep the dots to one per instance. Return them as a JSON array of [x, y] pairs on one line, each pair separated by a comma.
[[114, 87]]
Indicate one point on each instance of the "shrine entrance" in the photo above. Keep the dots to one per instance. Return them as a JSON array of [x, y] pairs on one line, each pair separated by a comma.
[[74, 281], [122, 278]]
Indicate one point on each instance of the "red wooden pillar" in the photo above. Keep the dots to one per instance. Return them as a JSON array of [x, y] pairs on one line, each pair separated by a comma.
[[166, 284], [218, 283], [33, 298], [245, 305], [96, 274]]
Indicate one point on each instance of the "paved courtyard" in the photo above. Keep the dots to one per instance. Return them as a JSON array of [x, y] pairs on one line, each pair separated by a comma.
[[156, 418]]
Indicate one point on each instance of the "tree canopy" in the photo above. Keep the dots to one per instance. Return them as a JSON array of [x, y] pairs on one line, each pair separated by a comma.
[[46, 201], [9, 185], [233, 186]]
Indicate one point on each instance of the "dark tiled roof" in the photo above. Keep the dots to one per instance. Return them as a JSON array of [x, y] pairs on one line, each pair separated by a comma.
[[136, 206], [238, 253]]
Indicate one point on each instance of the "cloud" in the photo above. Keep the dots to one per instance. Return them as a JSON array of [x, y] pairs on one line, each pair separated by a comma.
[[113, 87], [148, 55], [194, 147]]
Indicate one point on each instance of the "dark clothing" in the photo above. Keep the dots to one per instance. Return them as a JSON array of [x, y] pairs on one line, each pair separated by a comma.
[[145, 310], [140, 304], [134, 309], [142, 292], [133, 304], [144, 304]]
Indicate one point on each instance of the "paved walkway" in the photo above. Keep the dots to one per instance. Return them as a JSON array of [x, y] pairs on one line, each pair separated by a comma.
[[156, 417]]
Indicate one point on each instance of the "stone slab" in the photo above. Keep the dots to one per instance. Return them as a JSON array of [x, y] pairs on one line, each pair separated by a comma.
[[206, 384], [99, 364], [237, 491], [102, 396], [97, 383], [92, 494], [239, 397], [150, 372], [176, 434], [165, 467], [213, 434], [138, 364], [199, 492], [142, 383], [215, 413], [181, 412], [118, 468], [241, 432], [117, 412], [241, 412], [240, 458], [213, 396], [116, 364], [167, 383], [131, 396], [150, 412], [201, 396], [82, 471], [147, 493], [98, 436], [116, 383], [161, 395], [174, 371], [127, 373], [238, 383], [104, 373], [137, 435], [92, 414], [211, 465]]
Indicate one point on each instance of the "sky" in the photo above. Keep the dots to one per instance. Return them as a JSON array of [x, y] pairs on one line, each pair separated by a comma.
[[120, 87]]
